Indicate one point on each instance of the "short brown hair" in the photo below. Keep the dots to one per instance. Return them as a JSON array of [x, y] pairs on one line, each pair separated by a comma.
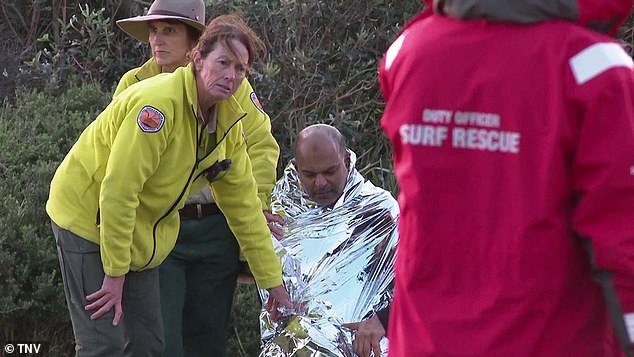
[[193, 34], [225, 28]]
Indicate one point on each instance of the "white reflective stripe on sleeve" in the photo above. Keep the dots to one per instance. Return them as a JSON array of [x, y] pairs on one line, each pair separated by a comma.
[[629, 325], [393, 51], [597, 59]]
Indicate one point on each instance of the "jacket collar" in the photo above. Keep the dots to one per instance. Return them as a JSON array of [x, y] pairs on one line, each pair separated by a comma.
[[149, 69]]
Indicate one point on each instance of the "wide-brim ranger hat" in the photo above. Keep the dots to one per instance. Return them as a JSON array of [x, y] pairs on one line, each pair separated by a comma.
[[190, 12]]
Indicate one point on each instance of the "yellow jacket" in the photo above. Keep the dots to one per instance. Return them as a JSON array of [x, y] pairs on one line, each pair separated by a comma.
[[262, 148], [123, 181]]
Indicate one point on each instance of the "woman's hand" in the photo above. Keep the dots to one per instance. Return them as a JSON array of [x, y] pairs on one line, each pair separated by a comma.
[[106, 298], [278, 296], [276, 224]]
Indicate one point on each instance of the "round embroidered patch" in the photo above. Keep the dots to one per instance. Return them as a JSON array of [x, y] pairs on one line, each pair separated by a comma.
[[150, 119], [256, 102]]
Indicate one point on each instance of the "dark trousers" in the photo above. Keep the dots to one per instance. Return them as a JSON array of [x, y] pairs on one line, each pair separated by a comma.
[[139, 332], [197, 283]]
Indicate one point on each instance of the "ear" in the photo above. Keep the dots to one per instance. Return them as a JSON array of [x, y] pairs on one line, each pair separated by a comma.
[[347, 160], [196, 59]]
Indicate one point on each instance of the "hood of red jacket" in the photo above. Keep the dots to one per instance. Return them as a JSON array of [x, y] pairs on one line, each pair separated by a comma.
[[601, 15]]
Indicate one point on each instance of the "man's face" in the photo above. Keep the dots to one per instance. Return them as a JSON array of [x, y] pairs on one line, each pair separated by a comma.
[[323, 172]]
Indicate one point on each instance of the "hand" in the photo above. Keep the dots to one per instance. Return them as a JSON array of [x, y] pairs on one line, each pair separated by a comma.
[[106, 298], [275, 224], [277, 296], [368, 336]]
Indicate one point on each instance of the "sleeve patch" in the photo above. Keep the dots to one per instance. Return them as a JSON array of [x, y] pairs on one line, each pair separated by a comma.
[[393, 51], [256, 102], [597, 59], [629, 325], [150, 119]]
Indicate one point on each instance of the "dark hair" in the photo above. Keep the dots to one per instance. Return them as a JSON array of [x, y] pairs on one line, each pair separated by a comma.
[[193, 34], [225, 28]]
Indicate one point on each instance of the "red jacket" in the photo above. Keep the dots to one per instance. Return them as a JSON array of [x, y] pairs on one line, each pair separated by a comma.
[[513, 148]]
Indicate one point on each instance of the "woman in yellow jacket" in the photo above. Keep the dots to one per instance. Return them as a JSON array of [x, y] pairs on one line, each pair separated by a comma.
[[204, 264], [115, 197]]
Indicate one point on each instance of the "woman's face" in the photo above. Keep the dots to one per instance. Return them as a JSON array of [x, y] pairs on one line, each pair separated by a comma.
[[170, 44], [220, 73]]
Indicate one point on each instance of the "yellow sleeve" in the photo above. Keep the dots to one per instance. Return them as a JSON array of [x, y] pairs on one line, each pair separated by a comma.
[[235, 194], [126, 80], [125, 176], [262, 147]]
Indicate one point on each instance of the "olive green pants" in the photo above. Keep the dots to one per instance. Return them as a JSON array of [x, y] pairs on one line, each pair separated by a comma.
[[139, 332], [197, 283]]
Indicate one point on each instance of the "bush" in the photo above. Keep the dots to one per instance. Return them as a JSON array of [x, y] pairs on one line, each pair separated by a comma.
[[85, 49], [244, 327], [34, 137]]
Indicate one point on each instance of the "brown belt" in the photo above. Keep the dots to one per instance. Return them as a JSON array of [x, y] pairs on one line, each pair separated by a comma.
[[198, 210]]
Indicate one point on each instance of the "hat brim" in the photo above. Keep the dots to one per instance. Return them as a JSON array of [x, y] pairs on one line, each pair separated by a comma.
[[138, 28]]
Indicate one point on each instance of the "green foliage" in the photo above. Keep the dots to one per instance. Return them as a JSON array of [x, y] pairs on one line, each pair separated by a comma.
[[244, 329], [85, 49], [626, 34], [34, 137]]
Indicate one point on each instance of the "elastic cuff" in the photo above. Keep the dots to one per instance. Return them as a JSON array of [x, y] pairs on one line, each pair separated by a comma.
[[384, 317]]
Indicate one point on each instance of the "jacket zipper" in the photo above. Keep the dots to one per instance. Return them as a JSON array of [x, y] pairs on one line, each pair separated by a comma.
[[180, 196], [218, 143]]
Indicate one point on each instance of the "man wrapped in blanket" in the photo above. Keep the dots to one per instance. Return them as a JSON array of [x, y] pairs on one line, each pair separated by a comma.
[[336, 241]]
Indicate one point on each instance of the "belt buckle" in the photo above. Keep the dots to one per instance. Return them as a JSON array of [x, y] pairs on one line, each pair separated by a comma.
[[199, 210]]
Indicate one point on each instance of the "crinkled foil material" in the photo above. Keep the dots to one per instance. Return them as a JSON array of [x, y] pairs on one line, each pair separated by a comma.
[[337, 266]]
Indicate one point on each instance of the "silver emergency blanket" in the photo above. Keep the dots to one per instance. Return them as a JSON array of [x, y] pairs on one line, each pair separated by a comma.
[[338, 265]]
